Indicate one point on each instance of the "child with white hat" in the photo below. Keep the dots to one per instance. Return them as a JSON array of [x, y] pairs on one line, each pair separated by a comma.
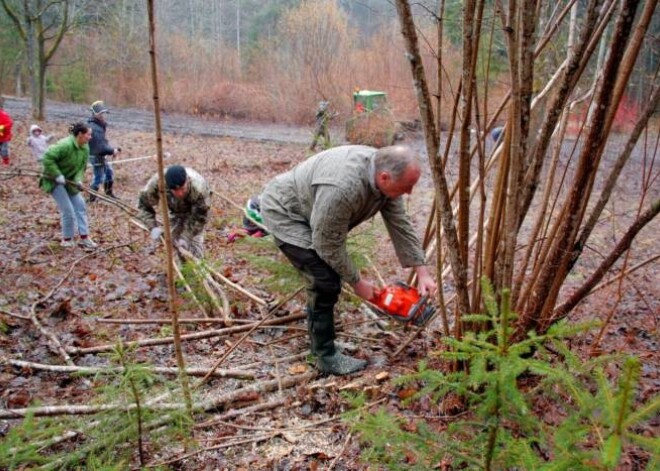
[[38, 142]]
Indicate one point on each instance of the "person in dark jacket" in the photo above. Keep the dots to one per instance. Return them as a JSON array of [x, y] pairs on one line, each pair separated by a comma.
[[100, 150], [64, 165]]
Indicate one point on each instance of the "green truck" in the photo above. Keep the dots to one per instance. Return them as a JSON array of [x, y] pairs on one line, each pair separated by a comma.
[[372, 122]]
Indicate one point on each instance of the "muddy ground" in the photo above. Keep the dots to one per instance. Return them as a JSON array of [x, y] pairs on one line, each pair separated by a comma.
[[72, 292]]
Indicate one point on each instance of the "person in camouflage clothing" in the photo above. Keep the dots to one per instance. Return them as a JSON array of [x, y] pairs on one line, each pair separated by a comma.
[[322, 131], [310, 211], [188, 199]]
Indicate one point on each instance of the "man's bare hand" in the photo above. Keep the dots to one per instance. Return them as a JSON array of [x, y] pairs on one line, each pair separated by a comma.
[[425, 283], [364, 289]]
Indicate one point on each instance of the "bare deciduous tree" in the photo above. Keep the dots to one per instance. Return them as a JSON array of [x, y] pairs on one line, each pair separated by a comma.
[[41, 25], [517, 167]]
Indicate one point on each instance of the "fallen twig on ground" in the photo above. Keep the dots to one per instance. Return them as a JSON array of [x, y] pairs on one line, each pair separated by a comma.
[[71, 409], [16, 316], [263, 321], [89, 370], [210, 404], [243, 411], [196, 336], [341, 452], [185, 320]]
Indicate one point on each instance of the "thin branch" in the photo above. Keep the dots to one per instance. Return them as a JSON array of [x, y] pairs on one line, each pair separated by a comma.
[[89, 370], [624, 244], [195, 336], [266, 318]]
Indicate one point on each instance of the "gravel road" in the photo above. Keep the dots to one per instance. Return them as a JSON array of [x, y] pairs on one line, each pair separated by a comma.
[[143, 120]]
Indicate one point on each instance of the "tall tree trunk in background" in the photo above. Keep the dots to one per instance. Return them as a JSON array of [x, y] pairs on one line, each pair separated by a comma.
[[628, 62], [40, 43], [470, 36]]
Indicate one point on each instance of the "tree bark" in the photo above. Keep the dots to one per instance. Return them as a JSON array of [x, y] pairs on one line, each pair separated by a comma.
[[29, 22], [546, 289], [432, 144]]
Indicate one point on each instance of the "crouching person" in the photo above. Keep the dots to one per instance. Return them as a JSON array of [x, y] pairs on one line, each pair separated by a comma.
[[311, 209], [188, 201]]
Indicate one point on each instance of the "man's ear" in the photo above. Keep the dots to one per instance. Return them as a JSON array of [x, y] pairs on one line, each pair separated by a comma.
[[383, 178]]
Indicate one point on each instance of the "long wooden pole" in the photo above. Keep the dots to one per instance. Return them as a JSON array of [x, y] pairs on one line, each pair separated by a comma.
[[164, 211]]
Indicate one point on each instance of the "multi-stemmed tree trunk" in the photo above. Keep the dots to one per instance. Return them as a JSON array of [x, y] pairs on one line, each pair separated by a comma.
[[535, 267], [41, 25]]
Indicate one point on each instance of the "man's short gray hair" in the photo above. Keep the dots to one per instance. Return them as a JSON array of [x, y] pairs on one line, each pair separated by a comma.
[[394, 160]]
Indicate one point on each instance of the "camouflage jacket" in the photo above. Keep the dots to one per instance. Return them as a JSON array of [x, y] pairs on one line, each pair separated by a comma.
[[192, 210], [317, 203]]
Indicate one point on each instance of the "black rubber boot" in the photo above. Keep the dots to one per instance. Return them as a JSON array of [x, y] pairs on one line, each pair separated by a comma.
[[329, 360], [107, 186], [92, 197]]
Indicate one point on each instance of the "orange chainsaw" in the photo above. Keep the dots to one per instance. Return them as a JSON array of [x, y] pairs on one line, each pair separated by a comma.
[[403, 303]]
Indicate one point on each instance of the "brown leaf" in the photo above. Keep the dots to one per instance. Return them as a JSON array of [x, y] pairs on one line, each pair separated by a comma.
[[81, 330], [410, 457], [249, 396], [382, 376], [297, 369], [63, 310], [410, 427], [451, 404], [407, 393], [18, 398]]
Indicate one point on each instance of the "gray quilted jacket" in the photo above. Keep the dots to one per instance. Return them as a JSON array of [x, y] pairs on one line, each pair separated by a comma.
[[317, 203]]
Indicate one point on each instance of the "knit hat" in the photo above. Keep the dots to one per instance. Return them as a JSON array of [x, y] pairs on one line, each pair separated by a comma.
[[98, 107], [175, 177], [34, 127]]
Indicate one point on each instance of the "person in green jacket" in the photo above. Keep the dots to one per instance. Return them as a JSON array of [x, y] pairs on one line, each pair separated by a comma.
[[64, 165]]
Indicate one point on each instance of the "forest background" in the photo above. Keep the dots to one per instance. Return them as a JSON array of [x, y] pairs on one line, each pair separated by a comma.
[[239, 58], [270, 61], [274, 61]]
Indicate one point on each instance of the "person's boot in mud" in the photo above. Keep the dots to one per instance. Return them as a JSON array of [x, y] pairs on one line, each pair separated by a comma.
[[92, 198], [328, 359], [107, 186]]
